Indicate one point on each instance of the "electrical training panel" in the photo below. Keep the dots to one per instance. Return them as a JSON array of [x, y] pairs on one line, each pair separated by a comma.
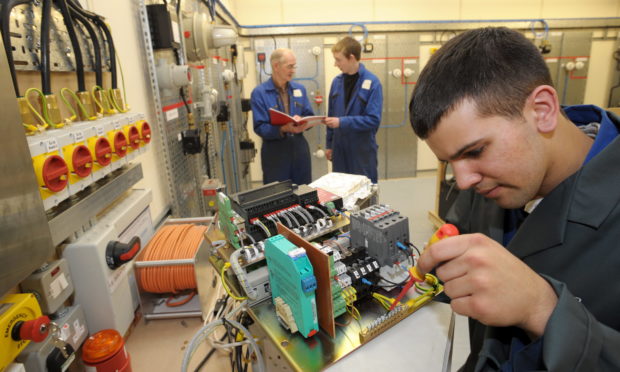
[[317, 285]]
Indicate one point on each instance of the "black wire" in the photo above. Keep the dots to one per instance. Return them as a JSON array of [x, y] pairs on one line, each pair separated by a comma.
[[77, 51], [208, 356], [96, 46], [210, 8], [5, 18], [414, 247], [98, 21], [229, 339], [46, 84], [262, 68]]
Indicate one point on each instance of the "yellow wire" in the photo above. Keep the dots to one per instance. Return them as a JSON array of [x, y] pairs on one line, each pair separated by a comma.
[[79, 103], [225, 285], [100, 108], [386, 302], [44, 123], [263, 225], [67, 104], [108, 98], [104, 105], [115, 104], [354, 312]]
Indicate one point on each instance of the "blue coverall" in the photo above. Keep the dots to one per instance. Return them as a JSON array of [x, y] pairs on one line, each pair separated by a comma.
[[287, 156], [353, 144]]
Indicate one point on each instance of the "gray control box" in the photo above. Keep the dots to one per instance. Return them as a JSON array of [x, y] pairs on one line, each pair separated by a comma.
[[51, 285], [44, 356], [259, 281], [378, 228]]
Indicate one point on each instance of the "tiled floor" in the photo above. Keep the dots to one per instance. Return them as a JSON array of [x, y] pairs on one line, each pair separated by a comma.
[[159, 345]]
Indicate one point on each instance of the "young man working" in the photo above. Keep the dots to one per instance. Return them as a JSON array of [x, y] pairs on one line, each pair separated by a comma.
[[354, 116], [551, 298], [285, 154]]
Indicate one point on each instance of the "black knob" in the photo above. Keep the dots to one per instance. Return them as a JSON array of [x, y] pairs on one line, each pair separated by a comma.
[[117, 253]]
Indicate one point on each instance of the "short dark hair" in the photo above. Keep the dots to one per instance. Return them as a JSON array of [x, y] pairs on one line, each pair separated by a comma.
[[348, 46], [494, 67]]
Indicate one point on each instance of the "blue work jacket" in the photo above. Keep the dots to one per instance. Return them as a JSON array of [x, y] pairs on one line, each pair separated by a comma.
[[283, 157], [353, 144]]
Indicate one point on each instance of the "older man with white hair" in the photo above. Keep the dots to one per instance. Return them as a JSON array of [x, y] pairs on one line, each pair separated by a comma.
[[285, 154]]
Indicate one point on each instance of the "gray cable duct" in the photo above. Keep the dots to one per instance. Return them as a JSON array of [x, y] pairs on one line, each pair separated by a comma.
[[241, 274]]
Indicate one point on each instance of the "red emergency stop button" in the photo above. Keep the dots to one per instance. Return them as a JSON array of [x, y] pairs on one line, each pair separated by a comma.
[[34, 330]]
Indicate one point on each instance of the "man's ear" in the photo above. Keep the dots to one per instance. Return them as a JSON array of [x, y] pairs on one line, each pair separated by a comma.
[[546, 107]]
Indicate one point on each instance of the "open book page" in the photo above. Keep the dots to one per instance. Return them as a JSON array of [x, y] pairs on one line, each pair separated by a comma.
[[280, 118]]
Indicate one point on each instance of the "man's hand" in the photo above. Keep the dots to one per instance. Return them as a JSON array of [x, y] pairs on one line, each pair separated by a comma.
[[328, 154], [486, 282], [293, 127], [332, 122]]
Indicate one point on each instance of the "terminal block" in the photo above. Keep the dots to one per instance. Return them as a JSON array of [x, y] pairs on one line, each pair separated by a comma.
[[378, 228], [293, 285]]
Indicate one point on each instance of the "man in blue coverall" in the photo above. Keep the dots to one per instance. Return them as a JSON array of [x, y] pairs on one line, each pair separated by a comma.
[[285, 154], [548, 301], [354, 116]]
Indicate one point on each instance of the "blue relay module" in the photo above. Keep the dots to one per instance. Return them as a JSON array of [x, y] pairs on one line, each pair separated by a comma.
[[293, 285]]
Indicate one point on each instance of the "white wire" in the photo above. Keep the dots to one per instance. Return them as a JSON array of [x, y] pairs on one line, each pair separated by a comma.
[[288, 221], [262, 226], [318, 209], [307, 213], [200, 336], [220, 345], [292, 217], [302, 215]]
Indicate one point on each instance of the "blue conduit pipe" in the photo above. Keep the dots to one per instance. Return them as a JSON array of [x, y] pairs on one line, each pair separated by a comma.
[[227, 12]]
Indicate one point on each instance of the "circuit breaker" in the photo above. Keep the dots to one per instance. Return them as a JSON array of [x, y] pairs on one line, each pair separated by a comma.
[[379, 228]]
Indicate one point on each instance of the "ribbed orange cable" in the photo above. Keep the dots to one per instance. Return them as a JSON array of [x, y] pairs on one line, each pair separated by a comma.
[[171, 242]]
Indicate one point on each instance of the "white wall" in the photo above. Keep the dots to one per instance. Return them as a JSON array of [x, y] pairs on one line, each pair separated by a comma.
[[263, 12], [266, 12], [122, 16]]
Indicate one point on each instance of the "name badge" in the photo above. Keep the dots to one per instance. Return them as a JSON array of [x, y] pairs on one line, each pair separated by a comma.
[[297, 93], [366, 84]]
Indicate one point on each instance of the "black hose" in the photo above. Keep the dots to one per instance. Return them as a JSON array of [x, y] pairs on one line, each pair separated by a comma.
[[96, 46], [5, 18], [206, 358], [46, 84], [98, 21], [77, 51]]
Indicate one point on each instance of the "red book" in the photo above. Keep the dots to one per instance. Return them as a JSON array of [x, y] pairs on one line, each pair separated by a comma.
[[280, 118]]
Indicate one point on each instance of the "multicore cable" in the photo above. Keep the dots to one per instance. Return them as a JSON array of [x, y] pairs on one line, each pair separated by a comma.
[[171, 242]]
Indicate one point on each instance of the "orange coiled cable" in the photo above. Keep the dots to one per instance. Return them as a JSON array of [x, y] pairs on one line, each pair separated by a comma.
[[171, 242]]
